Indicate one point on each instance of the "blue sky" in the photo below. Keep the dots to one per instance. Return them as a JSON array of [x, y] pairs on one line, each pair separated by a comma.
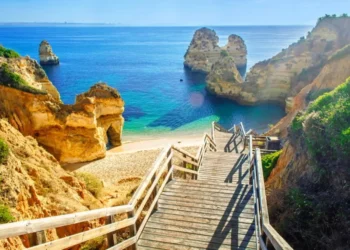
[[172, 12]]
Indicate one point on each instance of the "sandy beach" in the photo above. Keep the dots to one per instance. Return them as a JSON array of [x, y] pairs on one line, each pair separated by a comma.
[[132, 160]]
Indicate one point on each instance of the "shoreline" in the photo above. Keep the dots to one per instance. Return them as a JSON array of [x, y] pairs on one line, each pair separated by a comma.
[[130, 146]]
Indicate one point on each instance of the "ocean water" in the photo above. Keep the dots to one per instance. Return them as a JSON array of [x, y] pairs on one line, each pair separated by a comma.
[[145, 64]]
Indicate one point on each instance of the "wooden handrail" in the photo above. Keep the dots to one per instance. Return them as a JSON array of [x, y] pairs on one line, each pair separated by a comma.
[[134, 208], [36, 225], [264, 228]]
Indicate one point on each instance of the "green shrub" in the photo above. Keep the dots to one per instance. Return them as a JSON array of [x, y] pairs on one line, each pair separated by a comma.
[[4, 151], [8, 53], [5, 214], [94, 244], [269, 162], [224, 53], [13, 80], [92, 183], [297, 123]]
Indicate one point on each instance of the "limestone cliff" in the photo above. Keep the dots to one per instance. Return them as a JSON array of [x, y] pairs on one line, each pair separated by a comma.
[[204, 50], [335, 71], [282, 77], [224, 79], [33, 185], [46, 55], [72, 133]]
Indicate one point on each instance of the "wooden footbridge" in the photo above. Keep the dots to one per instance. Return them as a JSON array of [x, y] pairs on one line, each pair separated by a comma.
[[213, 200]]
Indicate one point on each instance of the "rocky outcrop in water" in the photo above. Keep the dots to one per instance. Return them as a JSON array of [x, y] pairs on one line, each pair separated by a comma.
[[72, 133], [282, 77], [224, 79], [46, 55], [204, 51]]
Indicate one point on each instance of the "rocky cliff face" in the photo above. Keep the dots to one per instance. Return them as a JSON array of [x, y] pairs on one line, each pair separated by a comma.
[[204, 50], [284, 75], [33, 185], [72, 133], [47, 57], [224, 79], [335, 71]]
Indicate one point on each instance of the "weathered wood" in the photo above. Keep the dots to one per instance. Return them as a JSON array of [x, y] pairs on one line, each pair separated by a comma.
[[186, 170], [31, 226], [153, 204], [111, 237], [140, 190], [126, 243], [40, 237], [84, 236], [184, 152], [187, 160]]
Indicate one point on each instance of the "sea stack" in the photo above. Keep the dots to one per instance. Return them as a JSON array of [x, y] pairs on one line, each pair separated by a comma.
[[204, 51], [47, 57], [224, 78]]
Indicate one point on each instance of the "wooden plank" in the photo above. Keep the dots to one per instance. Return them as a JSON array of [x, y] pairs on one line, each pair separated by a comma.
[[261, 189], [187, 160], [151, 244], [153, 186], [203, 216], [124, 244], [210, 190], [248, 202], [204, 197], [154, 202], [182, 151], [188, 243], [233, 222], [184, 170], [241, 212], [31, 226], [75, 239], [246, 208], [209, 184], [141, 189], [222, 239], [277, 241]]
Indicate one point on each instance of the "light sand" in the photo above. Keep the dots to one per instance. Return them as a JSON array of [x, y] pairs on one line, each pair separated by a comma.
[[132, 160]]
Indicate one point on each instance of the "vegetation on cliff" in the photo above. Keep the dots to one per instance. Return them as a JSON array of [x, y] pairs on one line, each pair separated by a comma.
[[314, 210], [8, 53], [269, 162], [5, 214], [4, 151], [13, 80]]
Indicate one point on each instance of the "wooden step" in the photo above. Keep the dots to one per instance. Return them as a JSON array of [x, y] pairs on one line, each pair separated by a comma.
[[209, 216], [224, 220], [184, 243], [213, 189], [207, 183], [221, 239], [244, 205], [239, 211]]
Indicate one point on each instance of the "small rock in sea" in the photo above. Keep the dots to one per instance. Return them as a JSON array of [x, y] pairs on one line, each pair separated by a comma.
[[181, 80], [47, 57]]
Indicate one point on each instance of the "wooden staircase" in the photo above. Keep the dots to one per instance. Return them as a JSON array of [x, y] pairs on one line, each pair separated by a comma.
[[214, 200], [214, 212]]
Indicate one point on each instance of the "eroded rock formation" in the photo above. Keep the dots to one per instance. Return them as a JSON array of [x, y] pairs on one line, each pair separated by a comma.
[[46, 55], [34, 185], [282, 77], [72, 133], [224, 79], [204, 50]]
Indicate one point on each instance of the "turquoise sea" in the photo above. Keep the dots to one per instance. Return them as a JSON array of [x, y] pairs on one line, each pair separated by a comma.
[[146, 64]]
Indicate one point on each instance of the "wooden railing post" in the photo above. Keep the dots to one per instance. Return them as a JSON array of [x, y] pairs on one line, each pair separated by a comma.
[[170, 164], [40, 237], [133, 228], [111, 237]]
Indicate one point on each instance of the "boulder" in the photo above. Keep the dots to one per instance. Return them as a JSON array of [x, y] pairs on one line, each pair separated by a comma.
[[46, 55]]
